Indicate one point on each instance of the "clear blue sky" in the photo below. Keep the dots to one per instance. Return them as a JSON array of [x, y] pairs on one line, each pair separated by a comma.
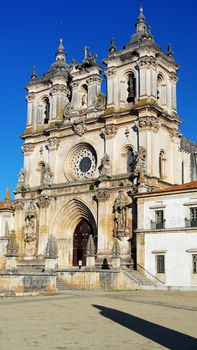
[[29, 36]]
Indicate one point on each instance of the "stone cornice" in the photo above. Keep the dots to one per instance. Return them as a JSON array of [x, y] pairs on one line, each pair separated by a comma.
[[168, 230]]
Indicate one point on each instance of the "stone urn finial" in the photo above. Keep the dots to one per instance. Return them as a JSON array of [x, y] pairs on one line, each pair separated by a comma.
[[12, 247], [90, 250], [51, 248]]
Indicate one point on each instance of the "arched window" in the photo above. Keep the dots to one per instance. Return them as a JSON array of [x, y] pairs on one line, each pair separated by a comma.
[[162, 165], [130, 160], [46, 110], [84, 96], [131, 88], [41, 168], [127, 159], [161, 90]]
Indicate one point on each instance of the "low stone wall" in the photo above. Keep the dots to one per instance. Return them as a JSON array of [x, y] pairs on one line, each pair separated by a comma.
[[27, 282], [97, 280]]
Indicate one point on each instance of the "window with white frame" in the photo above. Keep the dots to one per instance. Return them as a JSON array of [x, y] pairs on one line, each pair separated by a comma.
[[160, 263], [194, 263], [193, 216]]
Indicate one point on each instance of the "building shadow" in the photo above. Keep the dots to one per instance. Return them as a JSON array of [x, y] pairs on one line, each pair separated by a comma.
[[166, 337]]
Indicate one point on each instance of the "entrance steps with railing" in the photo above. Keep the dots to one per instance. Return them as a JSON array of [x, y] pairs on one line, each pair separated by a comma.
[[143, 281]]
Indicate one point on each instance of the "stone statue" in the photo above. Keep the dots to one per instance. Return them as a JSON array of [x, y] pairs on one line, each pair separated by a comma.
[[105, 167], [120, 216], [140, 166], [30, 223], [84, 100], [46, 176]]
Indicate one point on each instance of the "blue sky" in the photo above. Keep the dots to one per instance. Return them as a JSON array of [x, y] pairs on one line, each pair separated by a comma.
[[30, 34]]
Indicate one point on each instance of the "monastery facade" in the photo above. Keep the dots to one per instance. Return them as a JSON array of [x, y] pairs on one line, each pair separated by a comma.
[[87, 156]]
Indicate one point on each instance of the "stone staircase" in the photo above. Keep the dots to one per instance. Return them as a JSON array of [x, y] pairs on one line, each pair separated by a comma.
[[60, 285], [140, 279]]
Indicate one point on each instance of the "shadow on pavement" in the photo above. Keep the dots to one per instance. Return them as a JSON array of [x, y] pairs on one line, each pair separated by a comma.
[[164, 336]]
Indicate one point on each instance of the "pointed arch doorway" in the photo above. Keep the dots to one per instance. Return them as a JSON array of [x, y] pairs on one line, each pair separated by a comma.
[[80, 239]]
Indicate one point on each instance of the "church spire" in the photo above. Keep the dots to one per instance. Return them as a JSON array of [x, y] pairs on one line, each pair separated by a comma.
[[141, 25], [61, 54]]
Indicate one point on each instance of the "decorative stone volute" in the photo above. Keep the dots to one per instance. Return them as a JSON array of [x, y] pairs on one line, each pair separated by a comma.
[[109, 131], [102, 194], [43, 201]]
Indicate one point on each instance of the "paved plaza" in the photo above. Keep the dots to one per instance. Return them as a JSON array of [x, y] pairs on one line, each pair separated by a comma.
[[100, 320]]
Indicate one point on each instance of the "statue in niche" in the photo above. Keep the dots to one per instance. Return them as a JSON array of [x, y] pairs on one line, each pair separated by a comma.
[[105, 167], [120, 216], [30, 230], [46, 175], [140, 166], [84, 100]]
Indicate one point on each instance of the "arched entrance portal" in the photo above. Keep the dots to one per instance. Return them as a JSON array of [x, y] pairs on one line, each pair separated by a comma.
[[80, 239]]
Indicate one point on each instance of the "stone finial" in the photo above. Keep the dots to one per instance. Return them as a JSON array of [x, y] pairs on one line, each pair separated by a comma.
[[170, 53], [116, 249], [51, 248], [34, 75], [90, 250], [7, 194], [12, 247], [112, 47]]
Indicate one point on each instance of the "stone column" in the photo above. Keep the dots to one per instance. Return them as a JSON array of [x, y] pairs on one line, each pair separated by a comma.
[[104, 222]]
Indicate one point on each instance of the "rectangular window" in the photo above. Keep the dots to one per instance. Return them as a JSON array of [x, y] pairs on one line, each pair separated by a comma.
[[159, 219], [160, 263], [193, 216], [194, 263]]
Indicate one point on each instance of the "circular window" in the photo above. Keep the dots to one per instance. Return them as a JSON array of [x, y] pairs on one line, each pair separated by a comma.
[[81, 162]]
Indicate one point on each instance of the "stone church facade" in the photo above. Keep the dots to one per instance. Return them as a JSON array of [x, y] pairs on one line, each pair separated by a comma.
[[86, 155]]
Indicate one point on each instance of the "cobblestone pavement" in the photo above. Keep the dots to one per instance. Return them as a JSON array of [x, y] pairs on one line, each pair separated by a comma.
[[100, 320]]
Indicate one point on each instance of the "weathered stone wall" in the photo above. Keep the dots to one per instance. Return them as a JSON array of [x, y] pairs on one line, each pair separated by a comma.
[[97, 280], [27, 282]]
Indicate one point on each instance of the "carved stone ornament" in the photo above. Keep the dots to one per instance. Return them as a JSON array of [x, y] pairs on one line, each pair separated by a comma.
[[105, 167], [30, 223], [149, 123], [43, 201], [27, 148], [109, 131], [79, 128], [51, 248], [46, 175], [102, 194], [110, 73], [68, 110], [174, 135], [21, 185], [53, 143], [120, 216], [18, 205], [100, 102]]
